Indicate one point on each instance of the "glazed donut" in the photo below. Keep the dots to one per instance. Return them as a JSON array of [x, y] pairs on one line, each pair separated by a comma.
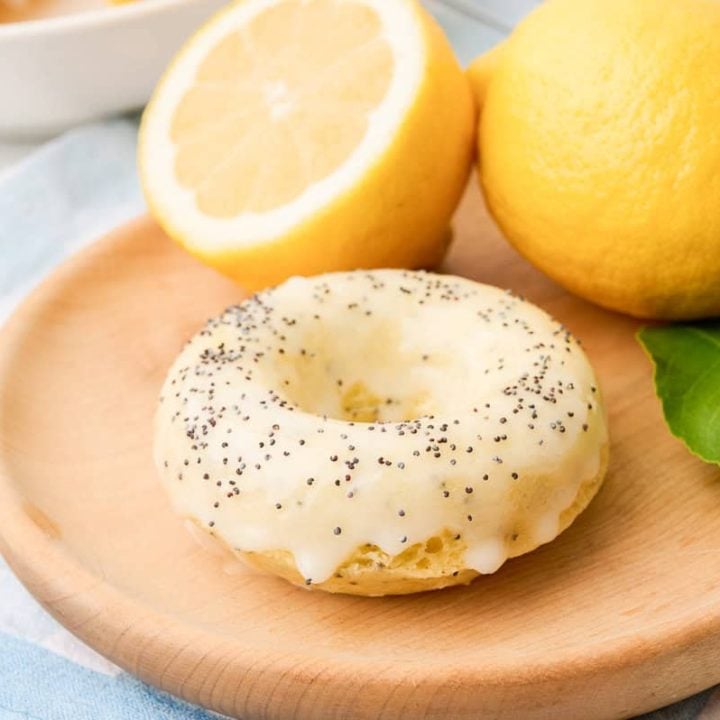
[[381, 432]]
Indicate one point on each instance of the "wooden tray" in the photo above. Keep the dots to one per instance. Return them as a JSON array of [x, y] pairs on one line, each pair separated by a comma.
[[618, 616]]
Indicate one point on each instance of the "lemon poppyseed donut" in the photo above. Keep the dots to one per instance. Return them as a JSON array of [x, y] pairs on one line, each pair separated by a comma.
[[381, 432]]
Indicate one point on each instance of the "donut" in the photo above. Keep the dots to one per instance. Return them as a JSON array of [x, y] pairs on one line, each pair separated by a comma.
[[381, 432]]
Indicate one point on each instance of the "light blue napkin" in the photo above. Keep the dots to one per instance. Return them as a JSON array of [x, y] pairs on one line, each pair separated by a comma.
[[62, 197]]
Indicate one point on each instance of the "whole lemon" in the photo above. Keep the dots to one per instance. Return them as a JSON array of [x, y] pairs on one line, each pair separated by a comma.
[[600, 150]]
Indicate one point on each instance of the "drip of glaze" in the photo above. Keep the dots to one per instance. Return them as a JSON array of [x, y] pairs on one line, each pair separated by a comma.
[[486, 556]]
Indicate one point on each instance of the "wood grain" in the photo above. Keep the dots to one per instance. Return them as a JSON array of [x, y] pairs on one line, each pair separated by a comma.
[[620, 615]]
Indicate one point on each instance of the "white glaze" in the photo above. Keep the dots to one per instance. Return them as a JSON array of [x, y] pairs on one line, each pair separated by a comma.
[[443, 348]]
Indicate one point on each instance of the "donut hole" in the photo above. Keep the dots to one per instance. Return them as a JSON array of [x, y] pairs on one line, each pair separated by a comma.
[[378, 370]]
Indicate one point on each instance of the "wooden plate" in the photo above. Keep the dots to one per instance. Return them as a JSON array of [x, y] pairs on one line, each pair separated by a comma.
[[618, 616]]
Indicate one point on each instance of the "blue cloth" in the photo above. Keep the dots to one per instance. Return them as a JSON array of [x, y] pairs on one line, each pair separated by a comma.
[[62, 197], [71, 191], [35, 683]]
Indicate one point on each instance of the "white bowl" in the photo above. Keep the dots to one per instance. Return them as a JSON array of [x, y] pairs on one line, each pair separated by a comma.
[[66, 70]]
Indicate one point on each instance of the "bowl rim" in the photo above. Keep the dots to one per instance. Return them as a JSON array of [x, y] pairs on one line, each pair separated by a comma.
[[100, 17], [136, 8]]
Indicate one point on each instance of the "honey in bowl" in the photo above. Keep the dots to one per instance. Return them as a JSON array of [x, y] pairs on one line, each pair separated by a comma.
[[15, 11]]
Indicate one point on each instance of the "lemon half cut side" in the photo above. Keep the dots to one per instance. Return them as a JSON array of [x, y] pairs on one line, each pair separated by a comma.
[[299, 136]]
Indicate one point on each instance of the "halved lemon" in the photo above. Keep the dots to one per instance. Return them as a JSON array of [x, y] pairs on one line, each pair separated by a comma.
[[302, 136]]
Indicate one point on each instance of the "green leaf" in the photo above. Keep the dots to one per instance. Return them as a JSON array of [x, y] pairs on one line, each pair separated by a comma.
[[687, 381]]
